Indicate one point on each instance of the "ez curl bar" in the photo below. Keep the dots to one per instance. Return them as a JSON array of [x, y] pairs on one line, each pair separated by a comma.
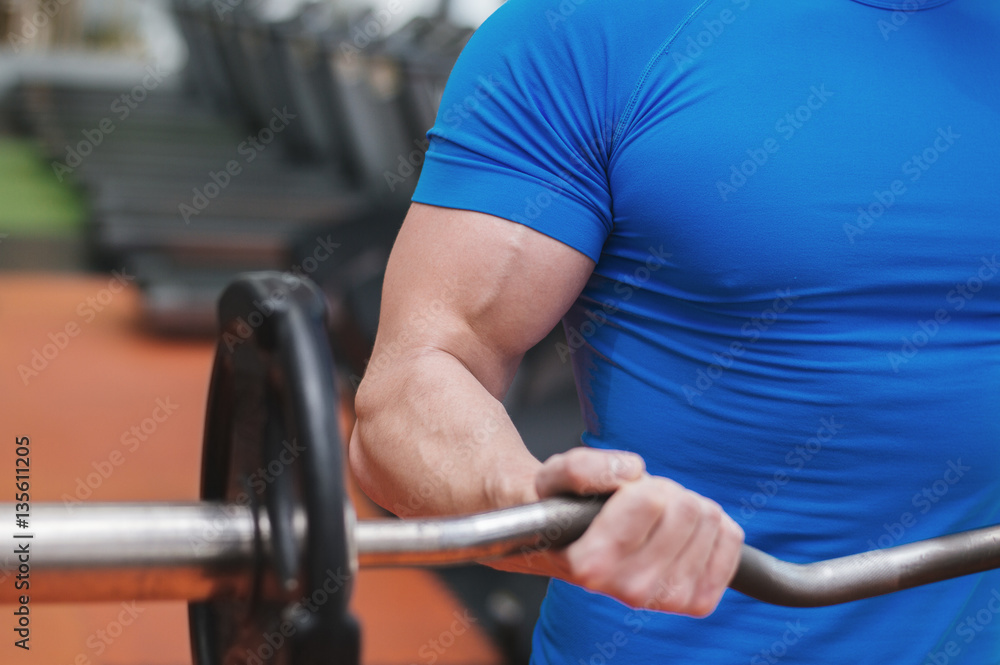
[[244, 559]]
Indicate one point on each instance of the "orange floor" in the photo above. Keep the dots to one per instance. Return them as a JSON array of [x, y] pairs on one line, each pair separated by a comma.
[[76, 406]]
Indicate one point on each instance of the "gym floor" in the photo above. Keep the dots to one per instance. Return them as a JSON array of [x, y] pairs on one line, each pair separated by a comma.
[[87, 401]]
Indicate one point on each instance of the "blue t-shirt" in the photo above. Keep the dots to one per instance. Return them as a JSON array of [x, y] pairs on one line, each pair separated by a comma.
[[794, 206]]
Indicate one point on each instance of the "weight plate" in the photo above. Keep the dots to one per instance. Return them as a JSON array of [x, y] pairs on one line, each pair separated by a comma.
[[272, 442]]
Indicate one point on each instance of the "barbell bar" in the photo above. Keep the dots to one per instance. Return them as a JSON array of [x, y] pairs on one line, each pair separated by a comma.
[[199, 550], [196, 551]]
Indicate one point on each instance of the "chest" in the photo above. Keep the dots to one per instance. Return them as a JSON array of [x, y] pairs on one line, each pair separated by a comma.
[[824, 157]]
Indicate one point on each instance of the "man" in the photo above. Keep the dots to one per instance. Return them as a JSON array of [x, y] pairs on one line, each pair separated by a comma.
[[770, 229]]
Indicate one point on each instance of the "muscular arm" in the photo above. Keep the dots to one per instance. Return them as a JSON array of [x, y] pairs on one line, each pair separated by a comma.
[[465, 296]]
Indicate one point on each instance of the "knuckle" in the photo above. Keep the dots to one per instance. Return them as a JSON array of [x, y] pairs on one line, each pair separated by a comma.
[[594, 578], [659, 484], [669, 488], [701, 606], [704, 603], [688, 509], [680, 600], [632, 491], [592, 571], [575, 471], [734, 531], [666, 592], [645, 494], [717, 577], [731, 536], [728, 550], [622, 540], [629, 497], [635, 593], [711, 513], [579, 455], [556, 462]]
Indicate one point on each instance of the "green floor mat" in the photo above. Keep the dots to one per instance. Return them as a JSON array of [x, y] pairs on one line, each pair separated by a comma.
[[32, 200]]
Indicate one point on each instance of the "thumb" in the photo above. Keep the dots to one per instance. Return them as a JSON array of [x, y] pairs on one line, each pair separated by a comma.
[[588, 471]]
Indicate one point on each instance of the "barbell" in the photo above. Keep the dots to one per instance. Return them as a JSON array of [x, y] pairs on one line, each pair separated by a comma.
[[263, 554]]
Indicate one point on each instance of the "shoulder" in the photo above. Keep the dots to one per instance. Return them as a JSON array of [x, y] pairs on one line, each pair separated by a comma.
[[598, 49]]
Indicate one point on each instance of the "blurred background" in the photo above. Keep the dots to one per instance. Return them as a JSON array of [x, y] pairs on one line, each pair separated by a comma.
[[149, 151]]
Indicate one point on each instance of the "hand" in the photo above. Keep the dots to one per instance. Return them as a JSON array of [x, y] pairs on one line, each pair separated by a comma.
[[654, 545]]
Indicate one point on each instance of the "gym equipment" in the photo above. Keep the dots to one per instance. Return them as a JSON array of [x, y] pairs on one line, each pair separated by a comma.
[[363, 94], [273, 397], [425, 50], [274, 544], [103, 552]]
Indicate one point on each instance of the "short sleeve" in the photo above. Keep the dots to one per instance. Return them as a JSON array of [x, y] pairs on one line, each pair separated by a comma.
[[524, 125]]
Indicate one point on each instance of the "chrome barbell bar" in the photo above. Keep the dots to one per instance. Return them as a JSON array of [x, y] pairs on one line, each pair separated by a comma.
[[196, 551]]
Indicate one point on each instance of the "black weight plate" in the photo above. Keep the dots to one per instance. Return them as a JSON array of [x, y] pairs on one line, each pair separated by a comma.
[[272, 442]]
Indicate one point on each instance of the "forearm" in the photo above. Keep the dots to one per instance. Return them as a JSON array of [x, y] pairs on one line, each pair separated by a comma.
[[431, 440]]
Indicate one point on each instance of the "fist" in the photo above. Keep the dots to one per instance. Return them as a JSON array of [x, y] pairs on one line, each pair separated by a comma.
[[654, 545]]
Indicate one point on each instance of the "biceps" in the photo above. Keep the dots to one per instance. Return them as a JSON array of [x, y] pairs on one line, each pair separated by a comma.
[[478, 287]]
